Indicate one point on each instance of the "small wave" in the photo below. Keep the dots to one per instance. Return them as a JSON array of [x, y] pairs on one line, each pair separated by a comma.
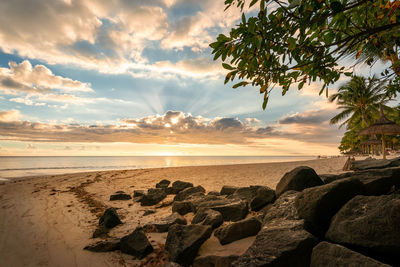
[[71, 168]]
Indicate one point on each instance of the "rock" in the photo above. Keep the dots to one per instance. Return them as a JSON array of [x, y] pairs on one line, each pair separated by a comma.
[[279, 243], [208, 217], [317, 205], [182, 195], [164, 224], [184, 241], [104, 246], [136, 244], [100, 231], [371, 163], [238, 230], [332, 255], [163, 184], [379, 182], [153, 196], [245, 193], [182, 207], [328, 178], [120, 195], [213, 193], [264, 196], [148, 212], [298, 179], [138, 193], [228, 190], [371, 223], [214, 261], [178, 186], [110, 218], [231, 211], [283, 208]]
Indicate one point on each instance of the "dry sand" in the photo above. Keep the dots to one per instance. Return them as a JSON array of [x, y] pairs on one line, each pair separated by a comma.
[[46, 221]]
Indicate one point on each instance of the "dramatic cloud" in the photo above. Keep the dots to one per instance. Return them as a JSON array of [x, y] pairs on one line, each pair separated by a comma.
[[9, 115], [312, 117], [173, 127]]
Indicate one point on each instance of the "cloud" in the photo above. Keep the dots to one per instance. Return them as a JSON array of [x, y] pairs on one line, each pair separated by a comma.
[[312, 117], [173, 127], [9, 115]]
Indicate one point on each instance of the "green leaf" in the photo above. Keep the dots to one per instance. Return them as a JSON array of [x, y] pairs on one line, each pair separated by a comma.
[[348, 74], [264, 105], [227, 66]]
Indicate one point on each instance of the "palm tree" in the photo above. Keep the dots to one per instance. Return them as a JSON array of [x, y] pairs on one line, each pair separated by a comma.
[[359, 101]]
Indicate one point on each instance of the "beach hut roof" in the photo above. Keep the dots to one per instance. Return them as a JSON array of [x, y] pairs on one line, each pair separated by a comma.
[[382, 126]]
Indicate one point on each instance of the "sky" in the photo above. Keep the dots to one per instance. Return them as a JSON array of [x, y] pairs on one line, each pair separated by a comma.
[[132, 77]]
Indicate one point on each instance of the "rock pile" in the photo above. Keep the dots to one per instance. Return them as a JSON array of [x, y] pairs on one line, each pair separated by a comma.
[[351, 219]]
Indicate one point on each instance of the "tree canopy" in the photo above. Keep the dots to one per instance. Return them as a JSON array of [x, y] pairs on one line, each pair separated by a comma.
[[303, 41]]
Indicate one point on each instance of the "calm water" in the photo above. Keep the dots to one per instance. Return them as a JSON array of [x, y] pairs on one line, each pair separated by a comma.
[[12, 167]]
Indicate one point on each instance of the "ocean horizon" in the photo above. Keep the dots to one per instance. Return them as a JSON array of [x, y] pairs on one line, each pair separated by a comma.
[[24, 166]]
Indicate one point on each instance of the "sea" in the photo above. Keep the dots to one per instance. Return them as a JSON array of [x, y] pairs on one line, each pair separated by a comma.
[[16, 167]]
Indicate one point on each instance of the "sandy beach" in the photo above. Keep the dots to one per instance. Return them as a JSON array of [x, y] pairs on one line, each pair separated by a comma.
[[46, 221]]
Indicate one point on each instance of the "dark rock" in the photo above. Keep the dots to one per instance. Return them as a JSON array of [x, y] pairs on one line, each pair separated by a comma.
[[238, 230], [182, 207], [228, 190], [213, 193], [178, 186], [283, 208], [332, 255], [328, 178], [231, 211], [163, 184], [136, 244], [185, 193], [208, 217], [104, 246], [370, 163], [120, 195], [379, 182], [164, 204], [317, 205], [153, 196], [214, 261], [263, 197], [138, 193], [298, 179], [279, 243], [184, 241], [110, 218], [371, 223], [245, 193], [100, 231], [148, 212], [164, 224]]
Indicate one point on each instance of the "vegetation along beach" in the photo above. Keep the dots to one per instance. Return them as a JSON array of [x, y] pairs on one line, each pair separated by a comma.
[[215, 133]]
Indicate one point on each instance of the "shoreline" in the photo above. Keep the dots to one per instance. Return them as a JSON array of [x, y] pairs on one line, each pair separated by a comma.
[[54, 216], [26, 177]]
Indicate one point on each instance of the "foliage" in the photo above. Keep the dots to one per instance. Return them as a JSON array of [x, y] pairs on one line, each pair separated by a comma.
[[302, 41], [350, 141], [359, 101]]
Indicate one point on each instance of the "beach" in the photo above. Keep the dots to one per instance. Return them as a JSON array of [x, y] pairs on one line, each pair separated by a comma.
[[48, 220]]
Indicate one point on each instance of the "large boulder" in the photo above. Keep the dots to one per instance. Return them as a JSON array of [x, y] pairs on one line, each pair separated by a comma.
[[238, 230], [185, 193], [245, 193], [164, 224], [210, 217], [110, 218], [317, 205], [264, 196], [371, 163], [371, 223], [120, 195], [279, 243], [183, 207], [153, 196], [333, 255], [184, 241], [178, 186], [214, 261], [228, 190], [283, 208], [298, 179], [136, 244], [163, 184]]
